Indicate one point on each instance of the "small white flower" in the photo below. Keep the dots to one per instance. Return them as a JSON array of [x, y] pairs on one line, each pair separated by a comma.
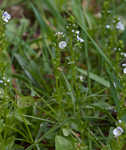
[[120, 26], [117, 131], [77, 32], [98, 15], [1, 81], [107, 26], [80, 39], [8, 80], [73, 31], [124, 65], [114, 48], [81, 78], [59, 33], [120, 121], [62, 44], [124, 70], [119, 49], [6, 17], [123, 54]]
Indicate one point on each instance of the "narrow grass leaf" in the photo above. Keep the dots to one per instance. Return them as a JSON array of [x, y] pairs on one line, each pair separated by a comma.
[[62, 143], [69, 89], [44, 26], [95, 77]]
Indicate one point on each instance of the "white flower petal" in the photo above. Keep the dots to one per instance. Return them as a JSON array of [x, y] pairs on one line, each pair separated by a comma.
[[80, 39], [117, 131], [120, 26], [62, 44], [77, 32], [120, 121], [124, 65], [107, 26], [81, 78], [124, 70], [6, 17]]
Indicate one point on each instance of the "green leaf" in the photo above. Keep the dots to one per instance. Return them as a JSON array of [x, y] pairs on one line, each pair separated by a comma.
[[70, 90], [62, 143], [43, 25], [54, 11], [66, 132], [114, 93], [95, 77]]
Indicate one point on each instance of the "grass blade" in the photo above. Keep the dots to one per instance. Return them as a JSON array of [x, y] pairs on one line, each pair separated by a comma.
[[95, 77]]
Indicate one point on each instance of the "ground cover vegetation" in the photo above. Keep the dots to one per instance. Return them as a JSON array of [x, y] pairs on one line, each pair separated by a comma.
[[62, 75]]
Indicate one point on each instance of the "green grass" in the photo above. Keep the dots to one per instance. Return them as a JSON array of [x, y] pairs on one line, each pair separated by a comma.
[[62, 99]]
